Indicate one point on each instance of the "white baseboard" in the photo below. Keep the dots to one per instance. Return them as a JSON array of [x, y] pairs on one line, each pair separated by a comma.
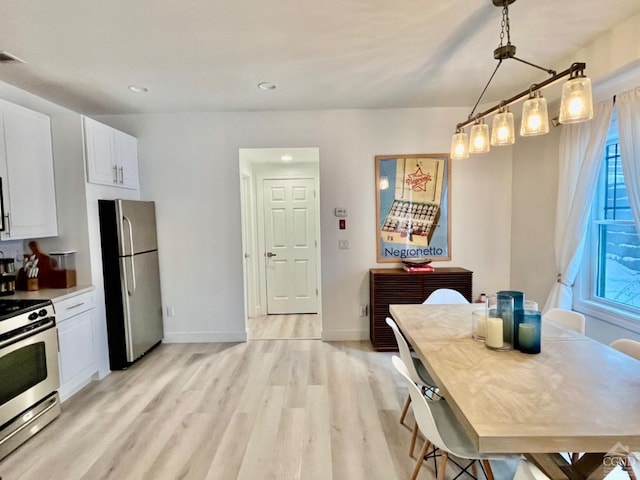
[[205, 337], [344, 335], [70, 388], [241, 336]]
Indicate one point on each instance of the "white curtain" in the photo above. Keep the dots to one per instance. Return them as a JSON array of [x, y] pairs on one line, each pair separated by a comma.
[[581, 147], [628, 107]]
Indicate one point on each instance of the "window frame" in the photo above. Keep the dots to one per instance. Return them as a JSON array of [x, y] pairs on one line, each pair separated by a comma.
[[584, 291]]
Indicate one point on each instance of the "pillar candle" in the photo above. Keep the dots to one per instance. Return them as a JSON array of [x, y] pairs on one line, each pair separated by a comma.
[[494, 333], [526, 335]]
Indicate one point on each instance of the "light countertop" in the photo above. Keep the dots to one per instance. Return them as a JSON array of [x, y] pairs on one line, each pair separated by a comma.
[[53, 294]]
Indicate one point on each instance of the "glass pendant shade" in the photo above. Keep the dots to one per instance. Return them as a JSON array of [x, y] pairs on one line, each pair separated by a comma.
[[459, 146], [535, 119], [503, 132], [576, 104], [479, 138]]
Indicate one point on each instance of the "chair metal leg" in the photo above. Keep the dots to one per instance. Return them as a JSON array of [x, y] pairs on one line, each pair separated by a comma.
[[414, 436], [423, 453], [405, 409]]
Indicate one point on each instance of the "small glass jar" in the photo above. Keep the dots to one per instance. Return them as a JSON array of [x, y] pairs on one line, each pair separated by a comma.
[[500, 307], [479, 325], [529, 332]]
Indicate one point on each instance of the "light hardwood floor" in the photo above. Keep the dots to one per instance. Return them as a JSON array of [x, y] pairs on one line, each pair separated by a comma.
[[286, 409], [278, 327]]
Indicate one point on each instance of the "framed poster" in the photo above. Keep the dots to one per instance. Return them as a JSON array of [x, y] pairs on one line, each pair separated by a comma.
[[412, 207]]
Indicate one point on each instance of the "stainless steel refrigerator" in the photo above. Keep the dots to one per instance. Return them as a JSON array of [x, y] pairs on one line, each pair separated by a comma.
[[131, 279]]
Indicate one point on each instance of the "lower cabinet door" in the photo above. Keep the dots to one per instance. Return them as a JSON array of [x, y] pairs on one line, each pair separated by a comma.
[[77, 353]]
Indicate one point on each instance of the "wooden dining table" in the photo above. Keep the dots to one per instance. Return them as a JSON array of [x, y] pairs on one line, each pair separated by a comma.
[[576, 395]]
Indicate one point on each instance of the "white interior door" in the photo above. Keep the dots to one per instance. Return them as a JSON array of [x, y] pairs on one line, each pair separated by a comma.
[[290, 245]]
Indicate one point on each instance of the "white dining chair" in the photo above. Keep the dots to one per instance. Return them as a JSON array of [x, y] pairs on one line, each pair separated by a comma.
[[418, 374], [567, 318], [528, 471], [631, 348], [627, 346], [445, 296], [442, 431]]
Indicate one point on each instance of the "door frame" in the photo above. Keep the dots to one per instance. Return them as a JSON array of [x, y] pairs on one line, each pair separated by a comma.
[[258, 164], [249, 250]]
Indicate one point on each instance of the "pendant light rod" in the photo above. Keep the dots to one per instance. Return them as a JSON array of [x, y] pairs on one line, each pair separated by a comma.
[[576, 67], [548, 70]]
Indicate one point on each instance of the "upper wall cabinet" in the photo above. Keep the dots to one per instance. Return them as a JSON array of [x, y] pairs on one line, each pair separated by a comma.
[[111, 155], [26, 169]]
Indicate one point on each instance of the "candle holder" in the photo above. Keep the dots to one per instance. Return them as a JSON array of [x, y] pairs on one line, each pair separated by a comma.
[[518, 298], [519, 304], [500, 334], [530, 331], [479, 324]]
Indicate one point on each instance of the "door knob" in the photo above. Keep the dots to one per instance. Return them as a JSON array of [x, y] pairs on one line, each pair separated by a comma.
[[269, 254]]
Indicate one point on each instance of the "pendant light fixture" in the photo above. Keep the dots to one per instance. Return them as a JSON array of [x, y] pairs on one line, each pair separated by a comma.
[[459, 145], [576, 102], [535, 119], [479, 137], [502, 132]]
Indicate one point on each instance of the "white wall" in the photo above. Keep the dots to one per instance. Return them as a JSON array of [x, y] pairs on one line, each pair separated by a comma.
[[199, 214], [189, 166], [535, 191], [202, 150]]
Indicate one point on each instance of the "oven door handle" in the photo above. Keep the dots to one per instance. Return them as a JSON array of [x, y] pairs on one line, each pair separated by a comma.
[[28, 333], [29, 424]]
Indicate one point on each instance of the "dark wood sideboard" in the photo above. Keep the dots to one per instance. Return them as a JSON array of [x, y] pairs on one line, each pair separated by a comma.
[[389, 286]]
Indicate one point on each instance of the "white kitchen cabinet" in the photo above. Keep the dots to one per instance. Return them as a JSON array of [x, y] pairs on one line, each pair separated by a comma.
[[26, 169], [76, 318], [111, 155]]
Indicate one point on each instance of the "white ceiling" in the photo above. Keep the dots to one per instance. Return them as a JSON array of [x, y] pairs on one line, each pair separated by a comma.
[[209, 55]]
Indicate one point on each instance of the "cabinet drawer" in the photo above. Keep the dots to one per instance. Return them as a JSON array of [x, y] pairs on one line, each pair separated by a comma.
[[75, 305]]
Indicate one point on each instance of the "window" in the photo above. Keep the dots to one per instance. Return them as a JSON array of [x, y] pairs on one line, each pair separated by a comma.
[[612, 260]]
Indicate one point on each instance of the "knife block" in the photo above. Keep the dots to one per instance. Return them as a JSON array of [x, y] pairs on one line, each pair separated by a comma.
[[24, 283]]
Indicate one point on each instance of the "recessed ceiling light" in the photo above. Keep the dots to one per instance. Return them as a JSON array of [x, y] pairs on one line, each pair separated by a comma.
[[286, 158], [266, 86], [138, 88]]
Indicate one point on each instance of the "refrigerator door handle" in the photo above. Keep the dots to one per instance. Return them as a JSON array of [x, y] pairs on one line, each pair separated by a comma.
[[133, 262], [3, 224], [133, 277]]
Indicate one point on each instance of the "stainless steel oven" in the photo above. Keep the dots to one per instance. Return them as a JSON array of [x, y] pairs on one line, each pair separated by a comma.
[[28, 369]]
